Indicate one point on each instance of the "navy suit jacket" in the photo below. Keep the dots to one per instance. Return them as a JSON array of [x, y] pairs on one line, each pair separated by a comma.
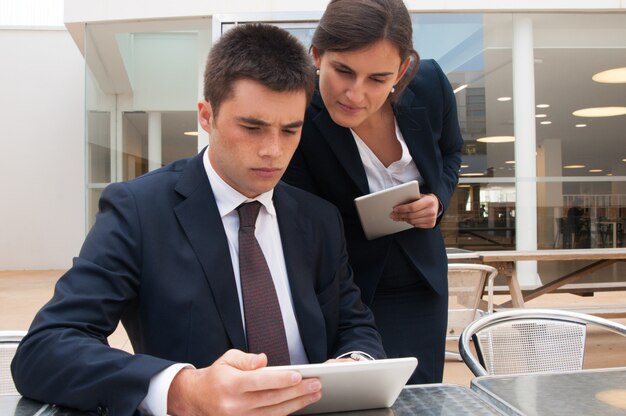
[[327, 163], [157, 259]]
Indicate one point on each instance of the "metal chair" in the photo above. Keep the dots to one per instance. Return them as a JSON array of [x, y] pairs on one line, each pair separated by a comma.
[[9, 341], [529, 341], [466, 285]]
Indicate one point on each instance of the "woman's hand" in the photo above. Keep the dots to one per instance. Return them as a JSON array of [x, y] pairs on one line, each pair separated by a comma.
[[421, 213]]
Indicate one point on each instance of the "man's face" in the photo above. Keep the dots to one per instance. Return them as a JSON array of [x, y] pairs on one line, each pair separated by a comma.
[[254, 135]]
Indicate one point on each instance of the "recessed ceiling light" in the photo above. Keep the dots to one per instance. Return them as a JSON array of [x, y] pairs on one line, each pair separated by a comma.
[[460, 88], [581, 125], [541, 115], [600, 112], [546, 122], [190, 133], [496, 139], [463, 185], [611, 76], [543, 105], [473, 174], [464, 166], [510, 162], [573, 166], [504, 99], [623, 160], [609, 174], [595, 170]]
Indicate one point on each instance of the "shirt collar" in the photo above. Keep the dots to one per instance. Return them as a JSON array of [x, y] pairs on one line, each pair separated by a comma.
[[227, 198]]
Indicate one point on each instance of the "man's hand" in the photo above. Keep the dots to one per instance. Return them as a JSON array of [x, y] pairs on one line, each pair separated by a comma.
[[234, 385], [421, 213]]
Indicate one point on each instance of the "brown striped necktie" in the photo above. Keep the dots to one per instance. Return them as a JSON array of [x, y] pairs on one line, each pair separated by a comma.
[[265, 330]]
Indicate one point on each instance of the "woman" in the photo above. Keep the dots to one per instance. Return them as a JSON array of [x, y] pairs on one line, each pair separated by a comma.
[[376, 121]]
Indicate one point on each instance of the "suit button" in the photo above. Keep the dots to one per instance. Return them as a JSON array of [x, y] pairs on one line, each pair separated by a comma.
[[102, 410]]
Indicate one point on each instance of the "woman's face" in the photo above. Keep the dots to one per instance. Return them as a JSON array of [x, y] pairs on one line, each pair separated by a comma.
[[355, 84]]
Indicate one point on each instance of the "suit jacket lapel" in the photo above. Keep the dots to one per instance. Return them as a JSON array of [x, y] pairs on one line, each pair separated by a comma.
[[342, 144], [296, 237], [200, 219], [415, 127]]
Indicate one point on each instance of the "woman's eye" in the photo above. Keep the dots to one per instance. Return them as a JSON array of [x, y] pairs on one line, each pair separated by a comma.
[[378, 80]]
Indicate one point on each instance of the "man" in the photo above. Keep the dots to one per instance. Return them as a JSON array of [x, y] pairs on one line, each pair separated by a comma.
[[163, 258]]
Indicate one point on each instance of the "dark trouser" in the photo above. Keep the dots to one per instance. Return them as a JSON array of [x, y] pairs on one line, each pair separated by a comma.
[[411, 318]]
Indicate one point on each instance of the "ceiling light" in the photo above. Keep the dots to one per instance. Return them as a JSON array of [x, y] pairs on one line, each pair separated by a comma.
[[473, 174], [543, 105], [510, 162], [595, 170], [546, 122], [611, 76], [464, 166], [496, 139], [609, 174], [460, 88], [541, 115], [600, 112], [581, 125], [623, 160], [504, 99], [573, 166], [190, 133]]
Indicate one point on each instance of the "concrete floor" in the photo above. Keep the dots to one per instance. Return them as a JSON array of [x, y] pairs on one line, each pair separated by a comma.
[[22, 293]]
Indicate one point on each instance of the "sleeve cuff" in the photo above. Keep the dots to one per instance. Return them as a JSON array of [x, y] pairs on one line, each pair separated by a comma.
[[155, 402], [357, 356]]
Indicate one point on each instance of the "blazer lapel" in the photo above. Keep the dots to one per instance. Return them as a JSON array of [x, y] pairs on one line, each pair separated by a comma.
[[416, 129], [296, 235], [342, 144], [200, 219]]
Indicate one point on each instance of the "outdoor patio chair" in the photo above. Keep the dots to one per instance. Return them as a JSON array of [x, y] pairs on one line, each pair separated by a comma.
[[521, 341], [466, 285], [8, 344]]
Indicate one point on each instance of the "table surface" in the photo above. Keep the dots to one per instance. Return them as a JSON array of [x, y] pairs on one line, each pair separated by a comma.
[[585, 392], [567, 254], [423, 400]]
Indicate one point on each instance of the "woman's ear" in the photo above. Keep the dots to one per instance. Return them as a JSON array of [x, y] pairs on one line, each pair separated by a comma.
[[317, 57], [404, 66]]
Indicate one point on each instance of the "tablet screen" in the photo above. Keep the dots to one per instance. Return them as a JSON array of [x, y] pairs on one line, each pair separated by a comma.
[[356, 385], [374, 209]]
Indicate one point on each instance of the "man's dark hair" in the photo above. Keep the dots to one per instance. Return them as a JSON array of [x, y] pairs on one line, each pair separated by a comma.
[[260, 52]]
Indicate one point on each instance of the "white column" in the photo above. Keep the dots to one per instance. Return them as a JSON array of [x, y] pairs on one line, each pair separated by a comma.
[[154, 140], [525, 146]]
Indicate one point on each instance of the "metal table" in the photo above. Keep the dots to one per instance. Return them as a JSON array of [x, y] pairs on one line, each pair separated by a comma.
[[423, 400], [584, 392]]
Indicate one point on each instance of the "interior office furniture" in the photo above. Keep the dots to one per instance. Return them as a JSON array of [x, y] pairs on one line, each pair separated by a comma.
[[581, 393], [505, 260], [466, 286], [520, 341], [9, 340]]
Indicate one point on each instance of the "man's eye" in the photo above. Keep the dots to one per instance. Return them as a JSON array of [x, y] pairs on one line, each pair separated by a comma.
[[378, 80], [251, 128], [290, 132]]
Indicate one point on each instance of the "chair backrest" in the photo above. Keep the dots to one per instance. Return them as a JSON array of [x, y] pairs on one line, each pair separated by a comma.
[[529, 341], [466, 284], [9, 341]]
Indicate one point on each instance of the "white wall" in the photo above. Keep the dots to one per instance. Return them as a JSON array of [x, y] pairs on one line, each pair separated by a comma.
[[42, 203]]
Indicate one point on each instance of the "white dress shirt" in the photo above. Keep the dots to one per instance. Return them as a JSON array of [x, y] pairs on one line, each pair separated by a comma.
[[381, 177], [268, 236]]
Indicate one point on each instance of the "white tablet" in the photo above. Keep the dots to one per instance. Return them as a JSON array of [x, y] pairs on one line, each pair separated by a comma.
[[355, 385], [374, 209]]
